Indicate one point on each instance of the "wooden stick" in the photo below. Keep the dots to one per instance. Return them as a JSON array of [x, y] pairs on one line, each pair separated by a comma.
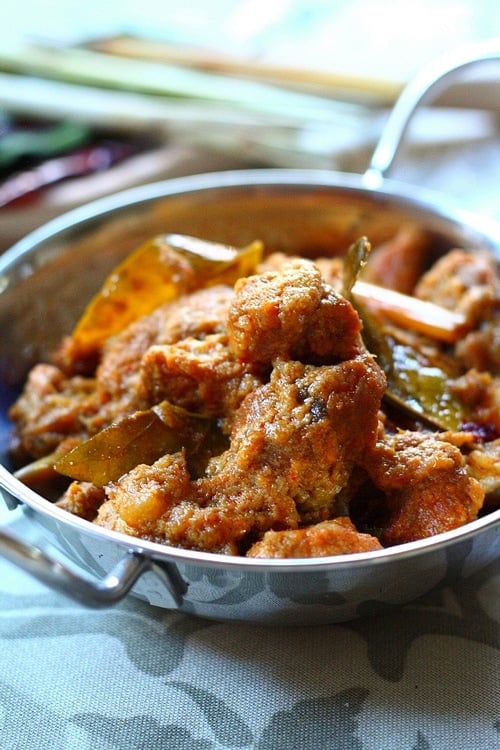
[[352, 87]]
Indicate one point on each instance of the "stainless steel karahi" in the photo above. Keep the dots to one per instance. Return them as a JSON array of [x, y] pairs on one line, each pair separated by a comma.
[[45, 280]]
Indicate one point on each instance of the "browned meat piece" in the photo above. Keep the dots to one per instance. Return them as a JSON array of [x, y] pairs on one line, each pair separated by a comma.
[[333, 333], [399, 262], [50, 408], [483, 463], [200, 376], [305, 430], [146, 493], [481, 349], [117, 374], [467, 282], [480, 392], [198, 315], [119, 387], [426, 486], [336, 537], [294, 444], [292, 314], [55, 405], [268, 308], [331, 269], [161, 503], [82, 499]]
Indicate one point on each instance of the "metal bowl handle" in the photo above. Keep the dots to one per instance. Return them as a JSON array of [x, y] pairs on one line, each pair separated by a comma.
[[425, 86], [94, 593]]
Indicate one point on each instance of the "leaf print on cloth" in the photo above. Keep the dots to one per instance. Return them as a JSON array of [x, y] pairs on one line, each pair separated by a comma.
[[321, 723], [451, 611], [422, 743], [138, 733], [285, 588], [241, 590], [153, 641], [36, 726], [226, 724]]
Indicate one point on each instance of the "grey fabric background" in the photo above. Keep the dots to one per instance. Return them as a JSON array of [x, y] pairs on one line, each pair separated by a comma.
[[422, 677]]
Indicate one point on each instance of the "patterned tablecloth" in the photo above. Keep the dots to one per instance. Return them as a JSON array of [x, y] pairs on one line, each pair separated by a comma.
[[422, 677]]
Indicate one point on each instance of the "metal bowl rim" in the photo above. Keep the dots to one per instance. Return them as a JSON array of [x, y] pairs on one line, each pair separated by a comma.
[[164, 552], [401, 193]]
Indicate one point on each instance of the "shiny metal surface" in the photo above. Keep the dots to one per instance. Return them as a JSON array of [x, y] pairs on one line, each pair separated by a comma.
[[112, 588], [426, 86], [47, 278], [45, 281]]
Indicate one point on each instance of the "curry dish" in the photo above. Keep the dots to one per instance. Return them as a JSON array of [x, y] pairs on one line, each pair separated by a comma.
[[248, 404]]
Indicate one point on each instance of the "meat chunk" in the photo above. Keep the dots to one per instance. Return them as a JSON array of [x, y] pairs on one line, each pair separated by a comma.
[[296, 440], [480, 349], [469, 283], [294, 443], [199, 315], [463, 281], [336, 537], [483, 463], [400, 261], [426, 487], [143, 495], [292, 314], [199, 375], [161, 503], [267, 315], [480, 393], [82, 499], [50, 408]]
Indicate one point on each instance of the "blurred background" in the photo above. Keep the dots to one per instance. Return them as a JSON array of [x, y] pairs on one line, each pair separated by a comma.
[[96, 100]]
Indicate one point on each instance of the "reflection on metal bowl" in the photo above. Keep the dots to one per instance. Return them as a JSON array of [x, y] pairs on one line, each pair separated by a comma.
[[47, 278]]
